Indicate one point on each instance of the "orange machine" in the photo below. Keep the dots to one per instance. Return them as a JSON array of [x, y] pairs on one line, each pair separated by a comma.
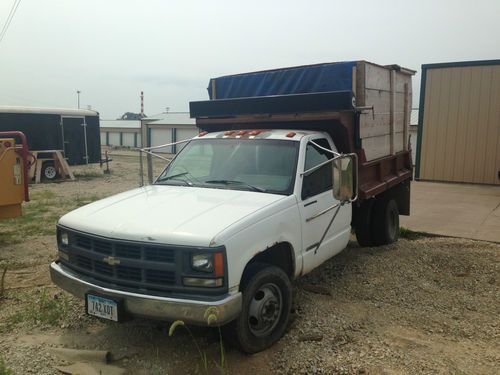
[[13, 174]]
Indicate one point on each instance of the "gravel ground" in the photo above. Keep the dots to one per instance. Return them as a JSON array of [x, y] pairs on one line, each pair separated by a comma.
[[429, 306]]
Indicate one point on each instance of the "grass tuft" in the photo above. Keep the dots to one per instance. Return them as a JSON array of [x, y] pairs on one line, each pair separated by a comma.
[[88, 174], [4, 370], [45, 309], [410, 235]]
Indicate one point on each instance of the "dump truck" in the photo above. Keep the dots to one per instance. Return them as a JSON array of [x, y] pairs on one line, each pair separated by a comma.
[[287, 163]]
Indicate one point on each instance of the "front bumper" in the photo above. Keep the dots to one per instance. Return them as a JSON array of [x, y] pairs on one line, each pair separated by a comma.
[[155, 307]]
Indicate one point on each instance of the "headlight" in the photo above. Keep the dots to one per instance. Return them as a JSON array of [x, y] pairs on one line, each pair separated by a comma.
[[202, 262], [64, 238]]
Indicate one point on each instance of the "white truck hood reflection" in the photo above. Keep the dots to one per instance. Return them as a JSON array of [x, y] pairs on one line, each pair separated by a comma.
[[178, 215]]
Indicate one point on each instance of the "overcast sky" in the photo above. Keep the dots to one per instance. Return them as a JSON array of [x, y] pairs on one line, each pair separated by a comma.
[[113, 49]]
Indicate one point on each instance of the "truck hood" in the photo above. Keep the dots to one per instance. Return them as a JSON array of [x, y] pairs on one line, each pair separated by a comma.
[[178, 215]]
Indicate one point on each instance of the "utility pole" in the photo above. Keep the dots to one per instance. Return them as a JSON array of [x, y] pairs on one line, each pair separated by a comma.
[[78, 96]]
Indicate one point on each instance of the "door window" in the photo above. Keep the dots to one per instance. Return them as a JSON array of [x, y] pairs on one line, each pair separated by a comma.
[[320, 180]]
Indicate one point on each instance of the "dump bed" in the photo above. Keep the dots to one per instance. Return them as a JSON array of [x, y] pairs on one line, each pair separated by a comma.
[[387, 89], [365, 107]]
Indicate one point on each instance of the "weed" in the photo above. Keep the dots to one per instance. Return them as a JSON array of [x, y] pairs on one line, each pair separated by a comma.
[[88, 174], [82, 200], [409, 234], [2, 282], [4, 370], [211, 316], [43, 194], [43, 310]]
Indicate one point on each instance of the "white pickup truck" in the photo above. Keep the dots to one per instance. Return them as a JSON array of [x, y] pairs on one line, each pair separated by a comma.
[[234, 218]]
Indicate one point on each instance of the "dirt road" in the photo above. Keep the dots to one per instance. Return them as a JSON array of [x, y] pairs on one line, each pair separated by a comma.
[[427, 305]]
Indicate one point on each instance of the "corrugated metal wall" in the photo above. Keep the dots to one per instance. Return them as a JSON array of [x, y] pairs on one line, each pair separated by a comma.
[[460, 131]]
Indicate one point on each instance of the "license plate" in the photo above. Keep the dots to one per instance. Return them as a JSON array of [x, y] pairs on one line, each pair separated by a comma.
[[102, 307]]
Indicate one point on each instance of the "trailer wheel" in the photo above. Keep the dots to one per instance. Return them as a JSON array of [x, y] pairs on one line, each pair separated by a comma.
[[49, 171], [385, 222], [267, 302], [363, 224]]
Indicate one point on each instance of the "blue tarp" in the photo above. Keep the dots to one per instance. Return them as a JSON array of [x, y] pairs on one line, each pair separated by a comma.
[[296, 80]]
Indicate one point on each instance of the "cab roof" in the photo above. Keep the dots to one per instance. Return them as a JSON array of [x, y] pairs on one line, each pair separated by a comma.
[[282, 134]]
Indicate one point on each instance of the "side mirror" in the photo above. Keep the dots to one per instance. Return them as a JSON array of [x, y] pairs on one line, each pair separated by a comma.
[[344, 178]]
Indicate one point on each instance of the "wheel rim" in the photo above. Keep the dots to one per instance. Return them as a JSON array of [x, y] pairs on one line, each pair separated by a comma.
[[265, 310], [50, 172]]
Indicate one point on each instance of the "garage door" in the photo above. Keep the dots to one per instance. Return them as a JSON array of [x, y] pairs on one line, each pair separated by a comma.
[[161, 137], [114, 139], [183, 134], [128, 139]]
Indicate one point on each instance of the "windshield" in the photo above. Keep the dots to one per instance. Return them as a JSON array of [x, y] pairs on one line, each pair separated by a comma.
[[263, 165]]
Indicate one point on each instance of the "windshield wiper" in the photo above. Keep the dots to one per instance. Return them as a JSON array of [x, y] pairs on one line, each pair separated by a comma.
[[174, 177], [234, 182]]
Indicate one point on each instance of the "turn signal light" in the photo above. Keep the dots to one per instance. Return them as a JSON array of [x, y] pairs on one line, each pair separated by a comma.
[[291, 134], [218, 264]]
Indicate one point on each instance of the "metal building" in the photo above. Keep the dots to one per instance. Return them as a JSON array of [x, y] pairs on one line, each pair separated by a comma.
[[167, 128], [121, 133], [459, 122]]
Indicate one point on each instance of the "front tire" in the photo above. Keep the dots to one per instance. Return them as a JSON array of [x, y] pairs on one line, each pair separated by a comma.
[[267, 302]]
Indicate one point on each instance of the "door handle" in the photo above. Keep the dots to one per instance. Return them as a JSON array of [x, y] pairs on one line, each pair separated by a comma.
[[310, 203]]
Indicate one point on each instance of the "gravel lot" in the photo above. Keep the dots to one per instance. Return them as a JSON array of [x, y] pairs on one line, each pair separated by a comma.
[[428, 305]]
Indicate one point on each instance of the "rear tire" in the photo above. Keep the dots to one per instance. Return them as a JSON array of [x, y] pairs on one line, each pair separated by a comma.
[[49, 171], [385, 222], [267, 302]]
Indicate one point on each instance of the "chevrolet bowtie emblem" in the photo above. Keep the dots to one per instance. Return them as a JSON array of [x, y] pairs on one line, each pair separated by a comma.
[[112, 261]]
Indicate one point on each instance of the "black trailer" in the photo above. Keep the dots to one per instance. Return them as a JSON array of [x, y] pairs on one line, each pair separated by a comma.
[[74, 131]]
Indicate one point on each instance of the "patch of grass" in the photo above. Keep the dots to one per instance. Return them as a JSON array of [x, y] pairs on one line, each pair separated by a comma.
[[44, 309], [4, 370], [211, 315], [40, 216], [88, 174], [82, 200], [408, 234], [43, 194]]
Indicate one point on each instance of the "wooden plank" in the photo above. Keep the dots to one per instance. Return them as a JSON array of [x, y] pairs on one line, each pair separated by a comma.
[[402, 80], [399, 142], [377, 77], [376, 147], [392, 110], [379, 124], [63, 164], [360, 84], [406, 118], [38, 173]]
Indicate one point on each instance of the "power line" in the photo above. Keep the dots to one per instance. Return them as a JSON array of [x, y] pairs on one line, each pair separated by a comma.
[[8, 17], [11, 15]]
